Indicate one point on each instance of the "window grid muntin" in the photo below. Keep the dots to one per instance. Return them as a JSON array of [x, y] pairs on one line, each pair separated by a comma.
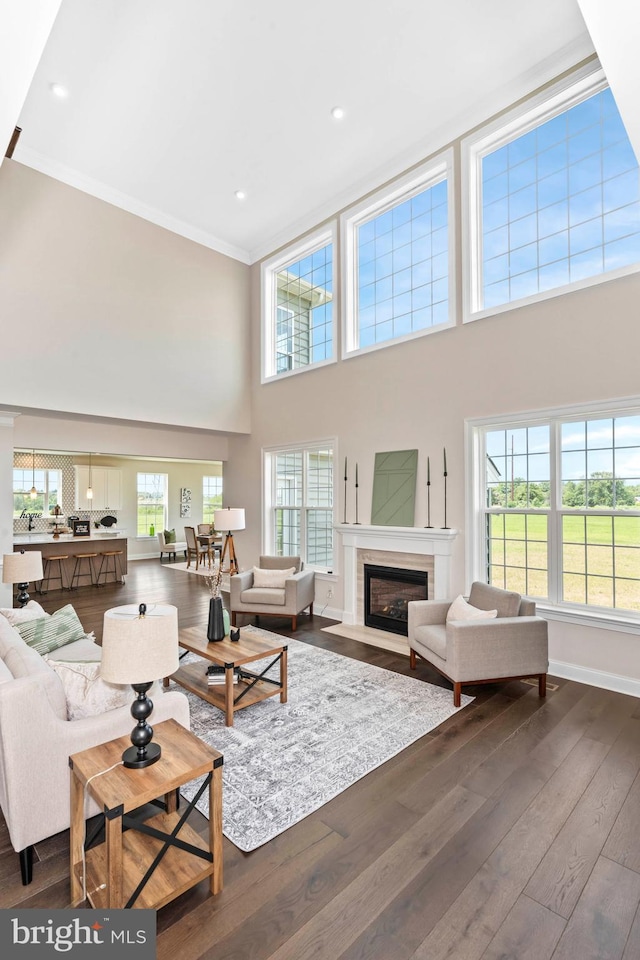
[[402, 265], [211, 497], [302, 504], [48, 483], [575, 97], [151, 490], [303, 288], [624, 579]]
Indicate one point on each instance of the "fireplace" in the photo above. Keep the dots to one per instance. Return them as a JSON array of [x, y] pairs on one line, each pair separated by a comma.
[[387, 592]]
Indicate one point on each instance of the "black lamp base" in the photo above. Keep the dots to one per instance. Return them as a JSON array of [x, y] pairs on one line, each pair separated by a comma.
[[131, 756], [23, 596], [143, 752]]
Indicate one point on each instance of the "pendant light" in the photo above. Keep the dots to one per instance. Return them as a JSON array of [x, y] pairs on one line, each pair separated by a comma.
[[90, 488], [33, 493]]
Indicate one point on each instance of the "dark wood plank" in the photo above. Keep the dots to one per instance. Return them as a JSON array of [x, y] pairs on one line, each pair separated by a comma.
[[529, 932], [559, 880], [602, 919], [475, 916], [623, 843], [427, 855]]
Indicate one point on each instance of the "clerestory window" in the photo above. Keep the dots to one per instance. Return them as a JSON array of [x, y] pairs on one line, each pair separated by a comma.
[[298, 307], [553, 197]]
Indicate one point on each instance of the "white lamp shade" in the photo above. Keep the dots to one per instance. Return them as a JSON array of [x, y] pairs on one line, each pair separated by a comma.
[[139, 649], [229, 518], [22, 567]]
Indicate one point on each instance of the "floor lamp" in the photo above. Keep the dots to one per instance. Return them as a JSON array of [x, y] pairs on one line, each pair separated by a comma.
[[229, 519], [21, 568]]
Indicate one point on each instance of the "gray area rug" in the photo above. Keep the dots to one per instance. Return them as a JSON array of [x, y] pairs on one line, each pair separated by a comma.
[[283, 761]]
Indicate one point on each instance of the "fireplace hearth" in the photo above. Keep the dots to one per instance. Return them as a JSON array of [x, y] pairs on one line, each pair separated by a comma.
[[387, 593]]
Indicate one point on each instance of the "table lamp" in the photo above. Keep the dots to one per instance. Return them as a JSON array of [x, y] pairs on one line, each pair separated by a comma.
[[140, 645], [21, 568], [229, 519]]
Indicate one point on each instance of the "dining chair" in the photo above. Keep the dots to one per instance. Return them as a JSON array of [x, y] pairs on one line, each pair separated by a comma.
[[194, 547]]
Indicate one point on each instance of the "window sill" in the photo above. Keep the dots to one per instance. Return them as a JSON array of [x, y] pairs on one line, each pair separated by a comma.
[[591, 618]]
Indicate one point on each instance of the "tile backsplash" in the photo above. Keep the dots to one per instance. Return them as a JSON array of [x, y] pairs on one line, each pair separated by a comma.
[[53, 461]]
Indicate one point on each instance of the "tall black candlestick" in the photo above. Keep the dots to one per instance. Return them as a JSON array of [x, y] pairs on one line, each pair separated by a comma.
[[445, 527], [345, 491], [429, 525], [356, 520]]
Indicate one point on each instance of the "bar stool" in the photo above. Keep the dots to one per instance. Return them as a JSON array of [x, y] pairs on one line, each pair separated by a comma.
[[78, 572], [111, 563], [48, 573]]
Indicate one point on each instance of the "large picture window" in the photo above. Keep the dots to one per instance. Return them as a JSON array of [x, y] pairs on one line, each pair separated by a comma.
[[211, 497], [560, 514], [298, 316], [398, 270], [554, 196], [299, 504], [48, 484], [152, 503]]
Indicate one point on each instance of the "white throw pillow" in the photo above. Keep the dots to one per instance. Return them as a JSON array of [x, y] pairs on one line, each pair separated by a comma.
[[461, 610], [271, 578], [32, 611], [87, 694]]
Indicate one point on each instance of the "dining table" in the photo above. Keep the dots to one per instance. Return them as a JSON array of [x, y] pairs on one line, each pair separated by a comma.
[[213, 543]]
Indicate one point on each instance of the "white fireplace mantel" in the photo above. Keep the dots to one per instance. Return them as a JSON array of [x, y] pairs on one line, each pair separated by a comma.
[[434, 542]]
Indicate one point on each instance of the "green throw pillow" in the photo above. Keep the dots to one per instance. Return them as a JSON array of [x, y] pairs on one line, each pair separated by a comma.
[[169, 536], [49, 633]]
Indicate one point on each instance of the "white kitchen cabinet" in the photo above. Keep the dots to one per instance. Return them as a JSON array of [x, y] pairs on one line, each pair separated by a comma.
[[107, 488]]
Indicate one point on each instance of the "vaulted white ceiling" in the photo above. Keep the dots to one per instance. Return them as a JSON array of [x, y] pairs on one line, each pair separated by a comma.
[[172, 107]]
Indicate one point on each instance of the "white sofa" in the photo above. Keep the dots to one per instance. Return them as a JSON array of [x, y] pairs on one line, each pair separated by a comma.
[[36, 739], [171, 548]]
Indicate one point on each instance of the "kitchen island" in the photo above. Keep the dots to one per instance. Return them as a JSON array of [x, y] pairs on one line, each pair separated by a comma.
[[69, 546]]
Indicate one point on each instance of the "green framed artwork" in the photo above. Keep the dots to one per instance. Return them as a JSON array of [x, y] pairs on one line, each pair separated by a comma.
[[394, 488]]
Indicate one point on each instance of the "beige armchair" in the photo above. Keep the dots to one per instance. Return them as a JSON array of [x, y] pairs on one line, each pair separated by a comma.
[[171, 548], [288, 601], [513, 646]]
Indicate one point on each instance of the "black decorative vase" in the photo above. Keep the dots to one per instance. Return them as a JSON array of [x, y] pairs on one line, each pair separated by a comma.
[[215, 627]]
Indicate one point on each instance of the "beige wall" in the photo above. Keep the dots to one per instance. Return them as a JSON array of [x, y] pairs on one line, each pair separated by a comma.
[[112, 316], [572, 349]]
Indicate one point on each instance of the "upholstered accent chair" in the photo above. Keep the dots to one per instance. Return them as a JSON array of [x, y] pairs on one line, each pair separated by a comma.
[[286, 597], [511, 646], [171, 548]]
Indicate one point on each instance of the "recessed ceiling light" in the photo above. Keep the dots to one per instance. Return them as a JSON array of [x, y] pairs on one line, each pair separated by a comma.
[[337, 113], [240, 194], [58, 90]]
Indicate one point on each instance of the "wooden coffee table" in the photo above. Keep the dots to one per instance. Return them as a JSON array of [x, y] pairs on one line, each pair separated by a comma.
[[230, 696]]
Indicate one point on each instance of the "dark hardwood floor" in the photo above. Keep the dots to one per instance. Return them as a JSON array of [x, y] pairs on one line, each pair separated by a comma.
[[511, 831]]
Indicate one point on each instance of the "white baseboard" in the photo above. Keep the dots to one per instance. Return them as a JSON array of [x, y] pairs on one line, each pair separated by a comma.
[[331, 612], [595, 678]]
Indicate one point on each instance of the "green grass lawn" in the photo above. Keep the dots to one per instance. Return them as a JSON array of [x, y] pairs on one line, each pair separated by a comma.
[[599, 554]]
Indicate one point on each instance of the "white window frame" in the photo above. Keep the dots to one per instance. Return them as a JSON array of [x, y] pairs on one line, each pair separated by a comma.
[[165, 501], [268, 273], [29, 475], [219, 479], [554, 608], [563, 95], [428, 174], [269, 455]]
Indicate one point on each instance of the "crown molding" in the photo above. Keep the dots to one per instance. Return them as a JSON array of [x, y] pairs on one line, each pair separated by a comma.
[[95, 188]]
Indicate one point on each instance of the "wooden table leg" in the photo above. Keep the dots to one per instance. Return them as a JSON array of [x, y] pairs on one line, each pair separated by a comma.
[[113, 840], [283, 676], [77, 837], [228, 696], [215, 828]]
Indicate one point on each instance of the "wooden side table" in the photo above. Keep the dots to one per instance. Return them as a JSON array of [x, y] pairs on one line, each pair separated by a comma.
[[149, 864]]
